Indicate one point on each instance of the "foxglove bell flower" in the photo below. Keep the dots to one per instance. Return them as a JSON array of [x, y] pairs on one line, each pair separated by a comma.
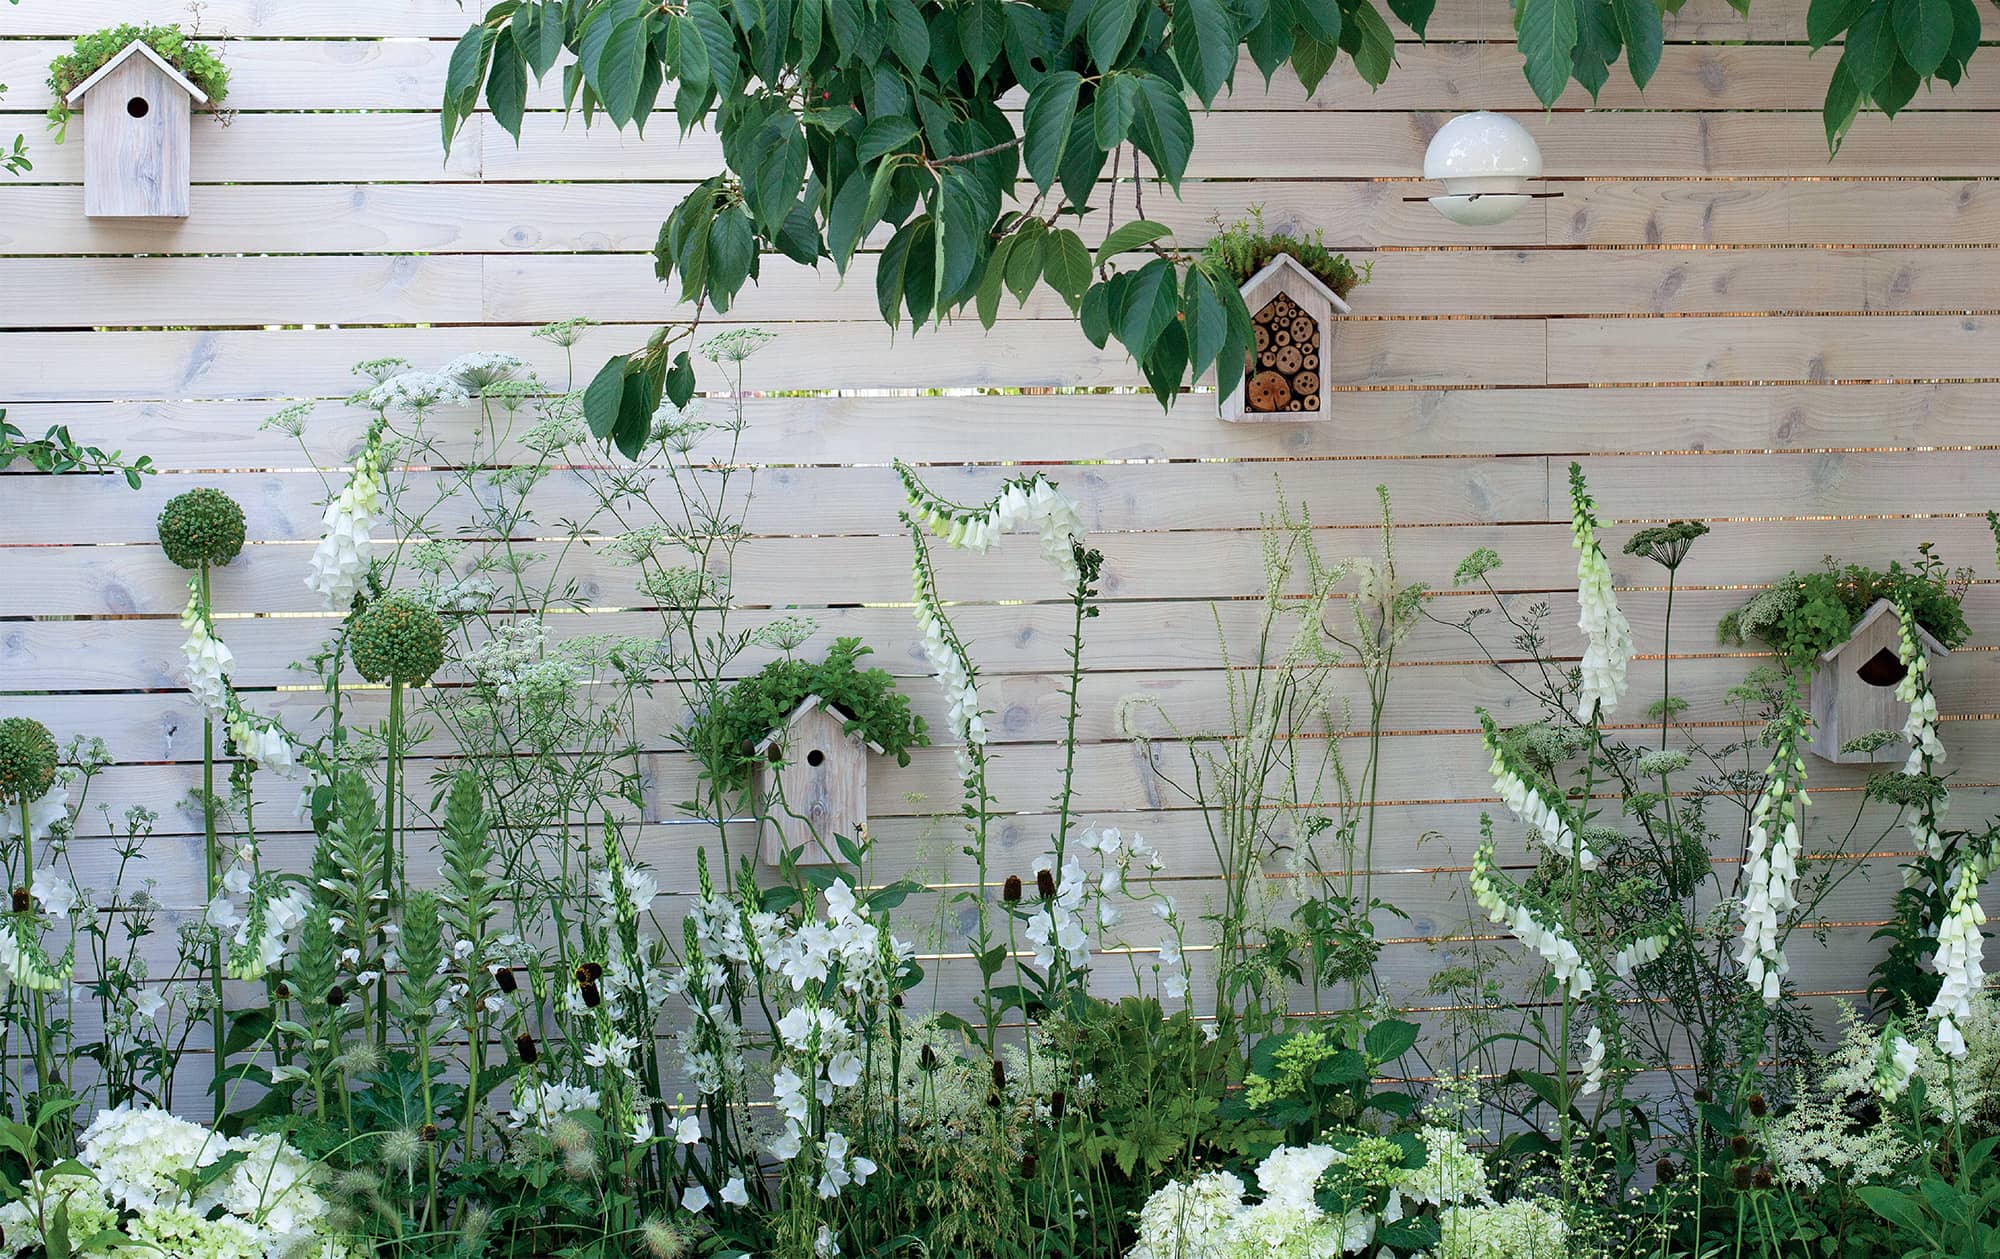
[[1562, 956], [1770, 864], [1607, 634], [1531, 799], [1914, 689], [208, 657], [263, 741], [341, 559], [1593, 1063], [1961, 947], [1032, 501]]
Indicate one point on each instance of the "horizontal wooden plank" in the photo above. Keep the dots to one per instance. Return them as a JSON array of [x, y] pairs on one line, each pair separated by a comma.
[[846, 501], [409, 74], [107, 366], [625, 217], [808, 572], [1621, 351], [1802, 212], [129, 292], [1452, 19], [960, 428], [313, 148]]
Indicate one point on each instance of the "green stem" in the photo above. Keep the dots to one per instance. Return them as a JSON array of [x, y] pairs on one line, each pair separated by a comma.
[[212, 860]]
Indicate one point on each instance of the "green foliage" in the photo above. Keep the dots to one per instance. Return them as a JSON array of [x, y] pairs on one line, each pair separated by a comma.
[[56, 452], [203, 526], [1804, 616], [725, 735], [1243, 248], [195, 60]]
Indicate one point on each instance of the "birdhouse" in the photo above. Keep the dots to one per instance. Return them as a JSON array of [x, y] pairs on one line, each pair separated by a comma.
[[1291, 317], [1854, 688], [812, 784], [136, 136]]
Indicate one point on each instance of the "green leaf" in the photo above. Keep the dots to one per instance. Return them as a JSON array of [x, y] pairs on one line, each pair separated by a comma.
[[1923, 32], [462, 77], [884, 135], [1094, 315], [1067, 266], [1547, 39], [1166, 363], [982, 33], [908, 37], [680, 380], [719, 38], [1895, 90], [621, 68], [1597, 45], [1416, 14], [732, 250], [1129, 236], [1205, 42], [1843, 102], [1639, 27], [1311, 59], [1117, 99], [1046, 124], [892, 269], [1024, 264], [1871, 47], [1272, 40], [1900, 1209], [1206, 321], [987, 301], [961, 232], [1371, 43], [540, 35], [1148, 306], [1163, 129], [602, 396], [1110, 26], [1390, 1039], [777, 161], [1826, 19], [507, 87], [1964, 31]]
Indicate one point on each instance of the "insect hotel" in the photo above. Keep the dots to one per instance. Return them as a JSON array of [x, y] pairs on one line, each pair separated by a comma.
[[812, 784], [1854, 688], [1291, 316], [136, 136]]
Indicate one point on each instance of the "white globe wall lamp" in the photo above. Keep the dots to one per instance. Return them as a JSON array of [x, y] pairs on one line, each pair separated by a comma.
[[1485, 161]]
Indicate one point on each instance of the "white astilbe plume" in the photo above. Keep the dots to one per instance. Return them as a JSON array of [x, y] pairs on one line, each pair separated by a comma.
[[1770, 863], [1562, 956], [1520, 789], [342, 556], [208, 657], [1607, 634]]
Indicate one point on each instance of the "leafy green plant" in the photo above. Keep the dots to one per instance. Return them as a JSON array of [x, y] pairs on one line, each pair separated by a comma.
[[1806, 615], [56, 451], [760, 704], [195, 60], [1243, 248]]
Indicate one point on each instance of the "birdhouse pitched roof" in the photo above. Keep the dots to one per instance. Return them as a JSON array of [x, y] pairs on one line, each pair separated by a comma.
[[806, 705], [1881, 608], [1285, 268], [141, 48]]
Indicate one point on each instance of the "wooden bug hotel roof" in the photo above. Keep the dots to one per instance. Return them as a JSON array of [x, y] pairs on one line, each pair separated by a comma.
[[1285, 268]]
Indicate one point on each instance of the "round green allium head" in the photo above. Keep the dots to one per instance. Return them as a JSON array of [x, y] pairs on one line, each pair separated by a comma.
[[27, 759], [203, 526], [398, 637]]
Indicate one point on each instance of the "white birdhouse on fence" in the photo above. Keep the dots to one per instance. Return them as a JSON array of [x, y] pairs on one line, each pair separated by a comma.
[[136, 136], [1291, 318], [812, 784], [1854, 688]]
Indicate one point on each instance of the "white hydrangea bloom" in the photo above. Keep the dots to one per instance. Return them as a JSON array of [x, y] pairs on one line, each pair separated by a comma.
[[1451, 1171], [208, 658], [341, 558], [1522, 1228], [1186, 1220]]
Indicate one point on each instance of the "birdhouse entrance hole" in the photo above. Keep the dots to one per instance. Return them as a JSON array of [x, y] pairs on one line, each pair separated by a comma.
[[138, 107], [815, 758], [1882, 669], [1284, 366]]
